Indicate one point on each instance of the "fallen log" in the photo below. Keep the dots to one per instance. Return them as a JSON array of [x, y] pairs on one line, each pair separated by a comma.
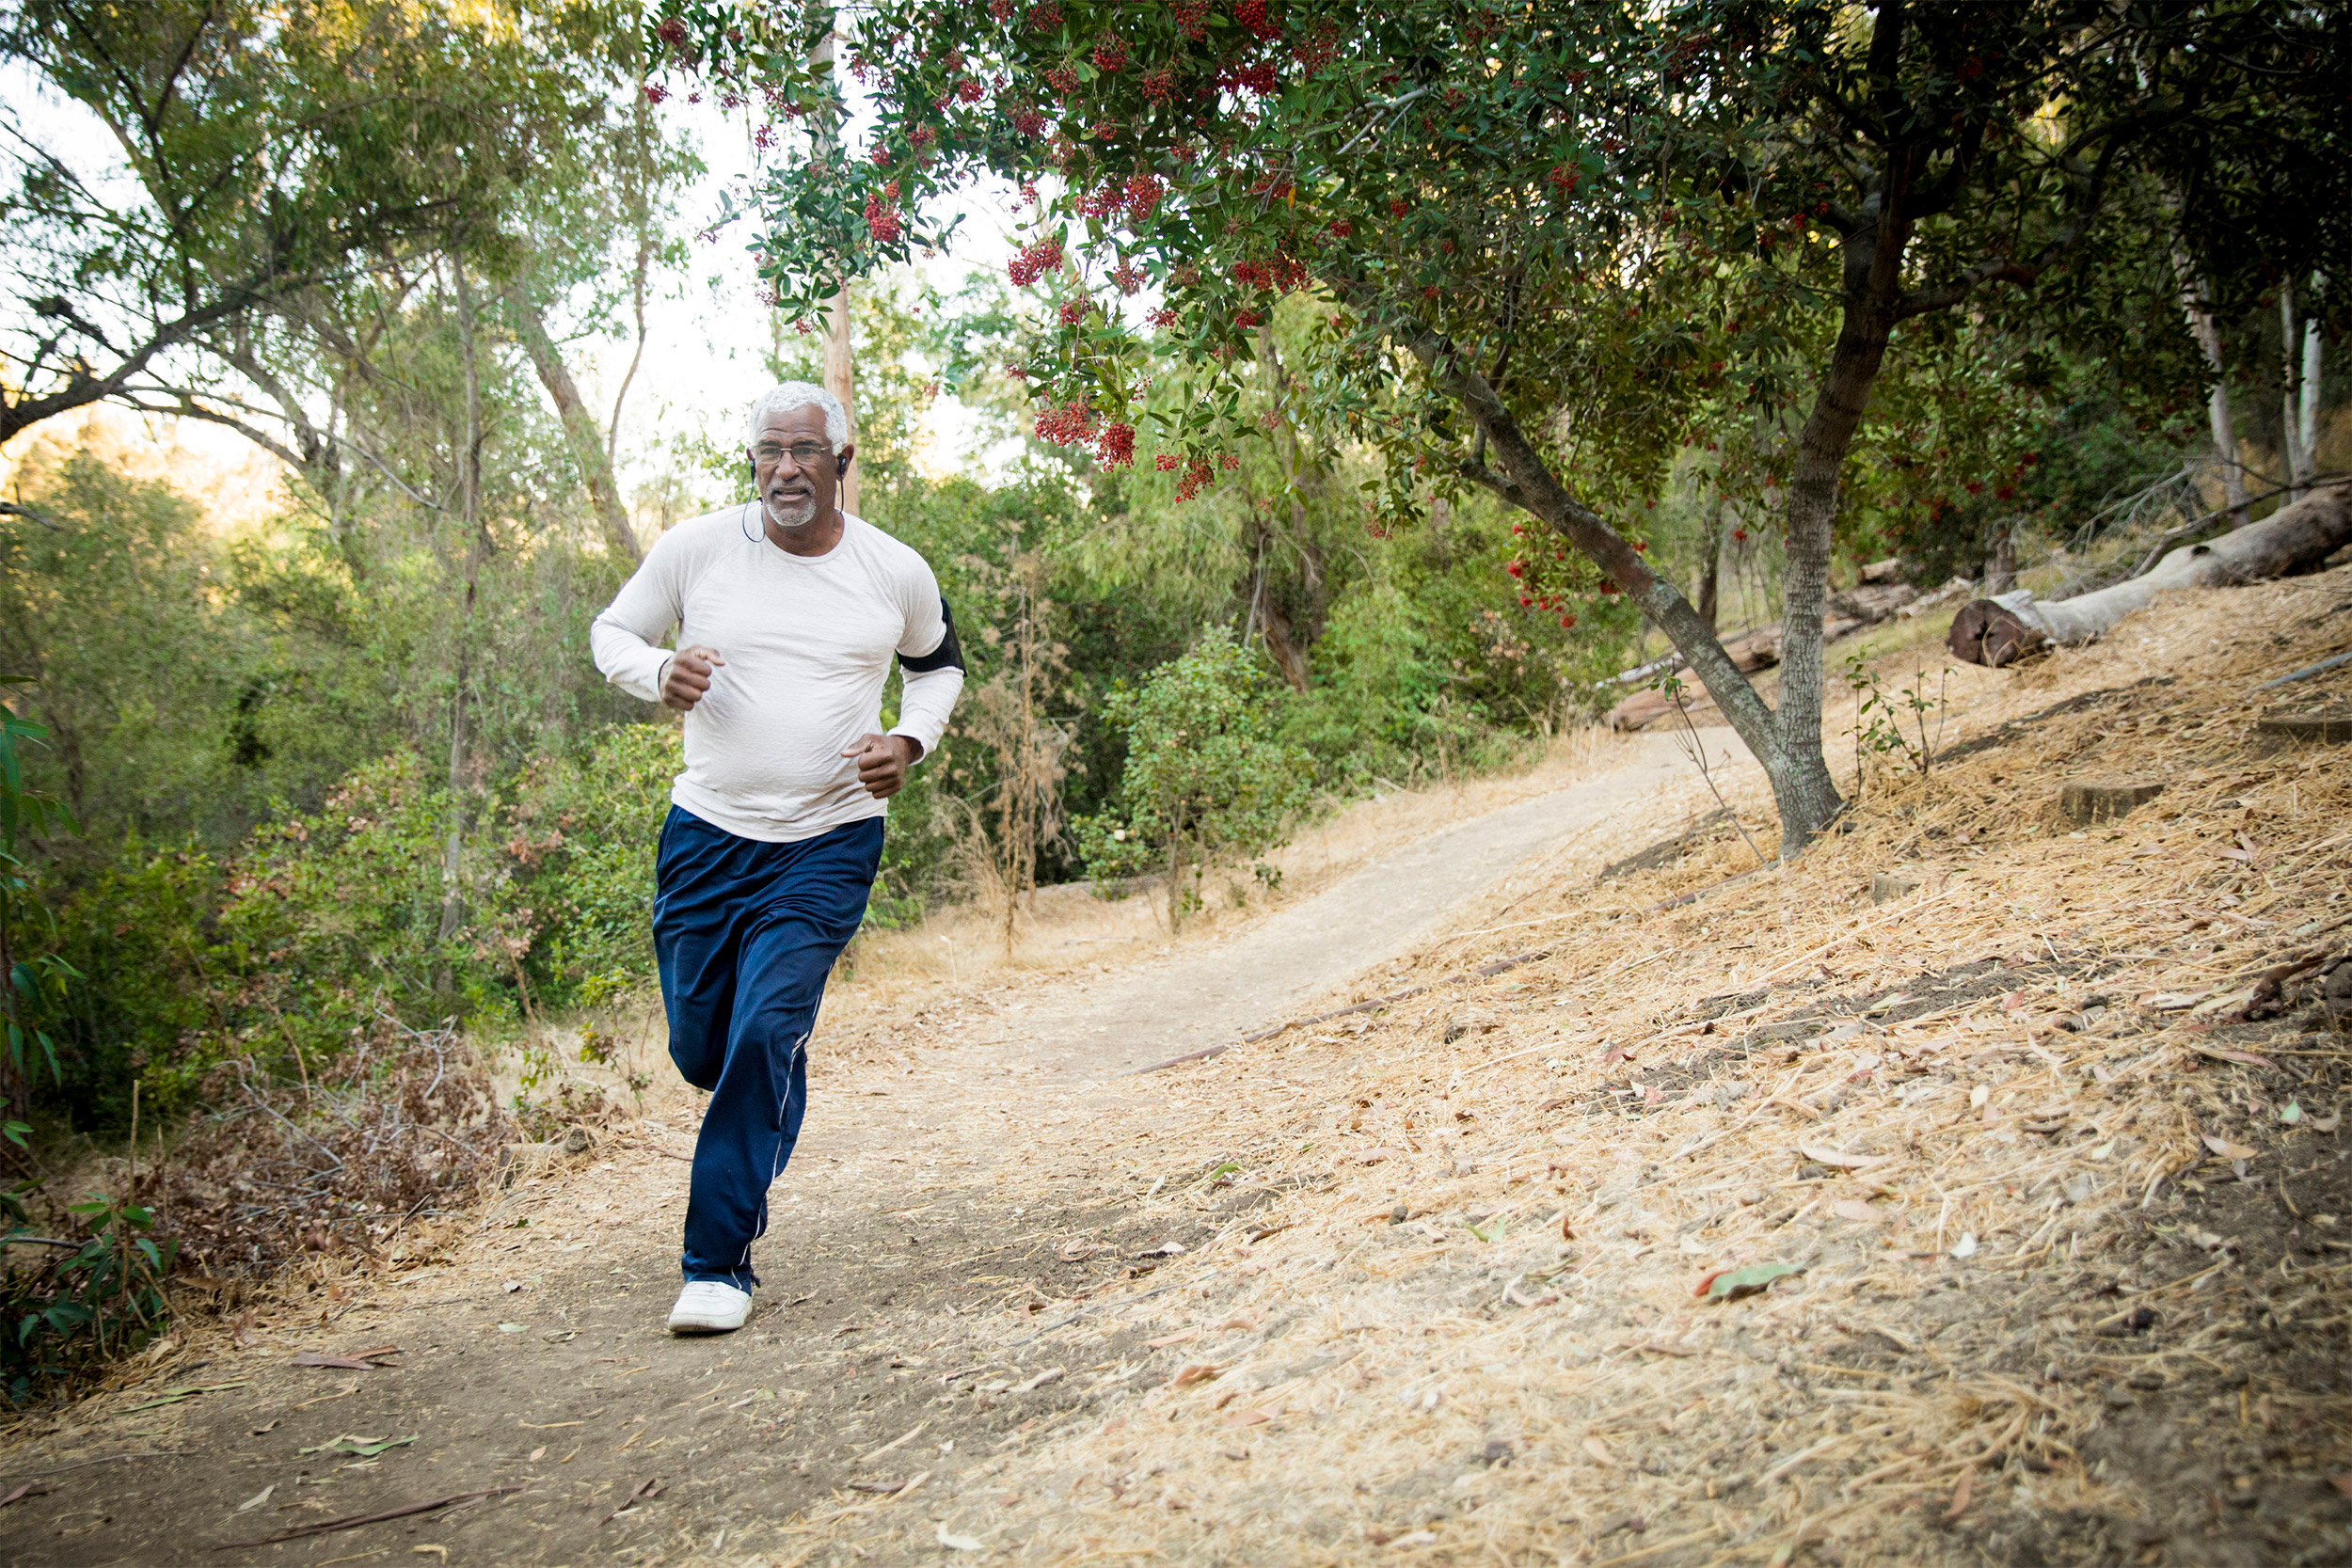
[[2009, 626]]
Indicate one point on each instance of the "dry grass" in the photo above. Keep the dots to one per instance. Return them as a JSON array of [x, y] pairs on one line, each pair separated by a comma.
[[1519, 1369]]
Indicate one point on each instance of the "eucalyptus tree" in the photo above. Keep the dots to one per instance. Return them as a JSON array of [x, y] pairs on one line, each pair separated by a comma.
[[1492, 200]]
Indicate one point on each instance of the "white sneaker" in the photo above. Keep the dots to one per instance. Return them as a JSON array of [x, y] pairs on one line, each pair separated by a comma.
[[710, 1306]]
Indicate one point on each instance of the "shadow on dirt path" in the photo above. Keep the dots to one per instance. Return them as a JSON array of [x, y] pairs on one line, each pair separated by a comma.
[[534, 1383]]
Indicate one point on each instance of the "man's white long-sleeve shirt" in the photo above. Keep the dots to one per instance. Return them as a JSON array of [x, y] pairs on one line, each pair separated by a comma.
[[807, 641]]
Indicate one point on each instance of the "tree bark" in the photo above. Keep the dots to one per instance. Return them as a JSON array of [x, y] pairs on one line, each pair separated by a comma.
[[2000, 566], [2201, 325], [1711, 569], [579, 425], [470, 509], [1998, 631], [841, 381]]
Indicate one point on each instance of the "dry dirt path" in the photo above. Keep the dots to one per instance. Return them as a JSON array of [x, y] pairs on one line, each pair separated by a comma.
[[533, 1360]]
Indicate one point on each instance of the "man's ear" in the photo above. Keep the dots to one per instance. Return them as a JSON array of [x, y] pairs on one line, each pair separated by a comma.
[[841, 460]]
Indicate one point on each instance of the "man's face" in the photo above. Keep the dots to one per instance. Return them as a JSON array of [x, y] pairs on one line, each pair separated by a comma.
[[795, 493]]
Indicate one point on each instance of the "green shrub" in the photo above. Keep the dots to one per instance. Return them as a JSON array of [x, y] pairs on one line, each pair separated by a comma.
[[1207, 778]]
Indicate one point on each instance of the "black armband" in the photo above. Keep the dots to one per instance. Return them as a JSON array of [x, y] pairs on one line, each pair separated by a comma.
[[947, 655]]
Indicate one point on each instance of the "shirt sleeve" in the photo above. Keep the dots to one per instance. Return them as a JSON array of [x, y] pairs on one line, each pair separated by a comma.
[[626, 638], [930, 684]]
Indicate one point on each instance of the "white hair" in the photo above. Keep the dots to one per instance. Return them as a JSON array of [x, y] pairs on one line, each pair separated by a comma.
[[787, 395]]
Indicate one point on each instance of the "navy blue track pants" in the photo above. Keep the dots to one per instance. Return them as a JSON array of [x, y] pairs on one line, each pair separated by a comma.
[[745, 933]]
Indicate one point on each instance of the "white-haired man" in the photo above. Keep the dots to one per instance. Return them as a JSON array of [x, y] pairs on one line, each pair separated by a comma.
[[789, 612]]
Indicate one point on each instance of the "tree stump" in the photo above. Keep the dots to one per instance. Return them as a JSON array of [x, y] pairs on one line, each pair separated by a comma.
[[2331, 729], [1991, 634], [2086, 802]]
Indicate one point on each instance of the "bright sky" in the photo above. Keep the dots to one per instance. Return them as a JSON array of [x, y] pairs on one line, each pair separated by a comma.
[[708, 335]]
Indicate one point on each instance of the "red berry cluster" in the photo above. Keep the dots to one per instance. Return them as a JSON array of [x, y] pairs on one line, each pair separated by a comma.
[[671, 32], [1064, 81], [1073, 311], [969, 90], [1028, 121], [1142, 193], [1034, 261], [1116, 445], [1127, 276], [1000, 9], [1319, 49], [881, 218], [1397, 208], [1282, 273], [1164, 316], [1197, 477], [1074, 422], [1261, 78], [1564, 177], [1253, 15], [656, 92], [878, 155], [1246, 318], [1159, 86], [1017, 373], [1110, 54], [1192, 18], [1045, 17], [1168, 463]]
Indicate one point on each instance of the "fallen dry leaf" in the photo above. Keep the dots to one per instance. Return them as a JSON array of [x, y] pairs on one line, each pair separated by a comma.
[[1599, 1450], [1856, 1209], [1961, 1494], [1823, 1156], [2229, 1150], [1250, 1417], [1199, 1371]]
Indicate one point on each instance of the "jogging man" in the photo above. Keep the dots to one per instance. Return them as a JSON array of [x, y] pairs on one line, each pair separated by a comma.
[[788, 612]]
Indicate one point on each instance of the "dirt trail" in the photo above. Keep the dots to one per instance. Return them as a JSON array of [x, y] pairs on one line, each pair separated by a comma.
[[1208, 994], [535, 1362]]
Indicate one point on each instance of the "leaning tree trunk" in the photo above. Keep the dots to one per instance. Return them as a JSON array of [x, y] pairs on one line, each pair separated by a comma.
[[580, 426], [1997, 631]]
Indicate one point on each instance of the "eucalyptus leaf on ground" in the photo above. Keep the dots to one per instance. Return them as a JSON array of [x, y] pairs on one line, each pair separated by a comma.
[[1731, 1283]]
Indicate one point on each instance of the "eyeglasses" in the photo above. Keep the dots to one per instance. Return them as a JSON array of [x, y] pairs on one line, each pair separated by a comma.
[[806, 454]]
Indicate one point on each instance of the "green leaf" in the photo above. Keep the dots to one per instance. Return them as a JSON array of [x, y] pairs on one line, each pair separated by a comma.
[[1731, 1283]]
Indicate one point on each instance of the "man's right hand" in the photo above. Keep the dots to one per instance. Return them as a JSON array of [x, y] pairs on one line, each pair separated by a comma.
[[687, 677]]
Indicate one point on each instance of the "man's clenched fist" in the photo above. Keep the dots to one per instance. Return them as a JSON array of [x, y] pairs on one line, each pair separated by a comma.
[[882, 761], [687, 677]]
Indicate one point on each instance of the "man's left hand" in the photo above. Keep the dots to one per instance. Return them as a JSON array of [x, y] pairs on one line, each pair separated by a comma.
[[882, 761]]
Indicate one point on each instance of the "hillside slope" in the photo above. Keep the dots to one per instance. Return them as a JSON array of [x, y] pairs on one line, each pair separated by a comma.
[[2058, 1185]]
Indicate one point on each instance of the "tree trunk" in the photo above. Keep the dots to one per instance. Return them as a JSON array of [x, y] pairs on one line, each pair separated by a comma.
[[2289, 426], [2201, 325], [841, 381], [580, 426], [2306, 413], [1997, 631], [1712, 568], [2000, 567], [469, 510]]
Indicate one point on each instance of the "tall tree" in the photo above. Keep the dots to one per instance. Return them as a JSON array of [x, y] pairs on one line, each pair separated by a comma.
[[186, 163], [1489, 197]]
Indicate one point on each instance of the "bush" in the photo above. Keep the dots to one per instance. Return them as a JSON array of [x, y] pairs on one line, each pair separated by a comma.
[[74, 1305], [1207, 780]]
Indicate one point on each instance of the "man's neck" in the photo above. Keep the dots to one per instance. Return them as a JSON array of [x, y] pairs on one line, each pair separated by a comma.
[[817, 536]]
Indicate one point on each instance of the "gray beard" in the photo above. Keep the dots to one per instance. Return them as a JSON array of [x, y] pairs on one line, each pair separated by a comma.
[[798, 514]]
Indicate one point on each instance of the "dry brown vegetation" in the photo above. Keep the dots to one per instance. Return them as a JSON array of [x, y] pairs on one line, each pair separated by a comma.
[[2061, 1175]]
